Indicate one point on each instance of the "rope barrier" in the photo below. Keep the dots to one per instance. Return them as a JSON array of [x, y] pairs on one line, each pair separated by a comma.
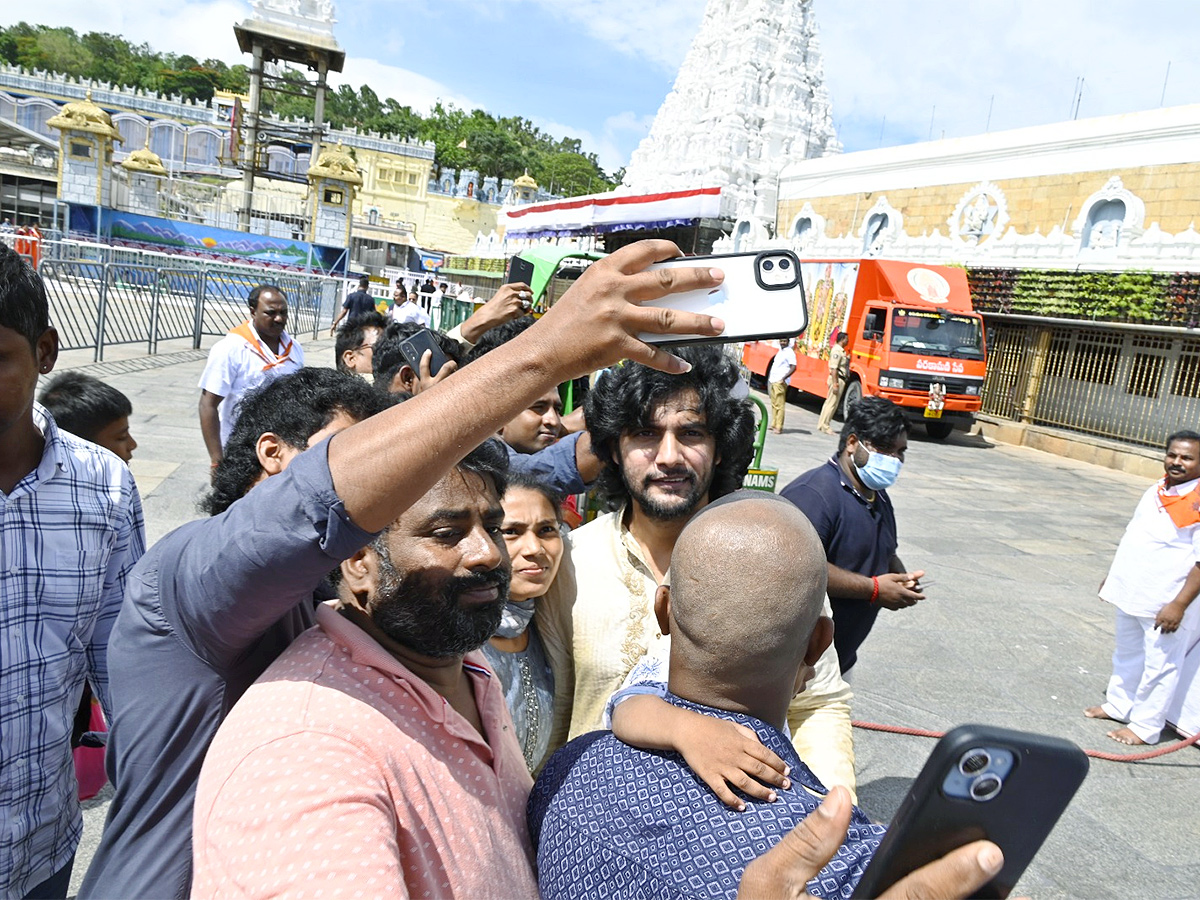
[[1094, 754]]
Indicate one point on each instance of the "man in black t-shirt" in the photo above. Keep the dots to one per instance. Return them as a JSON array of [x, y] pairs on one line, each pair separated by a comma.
[[356, 304], [846, 500]]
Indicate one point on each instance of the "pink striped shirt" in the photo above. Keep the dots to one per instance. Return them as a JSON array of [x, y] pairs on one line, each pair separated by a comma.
[[340, 773]]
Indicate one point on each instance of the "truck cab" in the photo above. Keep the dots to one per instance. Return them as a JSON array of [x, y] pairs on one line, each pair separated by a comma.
[[914, 338]]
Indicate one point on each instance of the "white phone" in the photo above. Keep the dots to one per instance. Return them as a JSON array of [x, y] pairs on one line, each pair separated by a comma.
[[761, 297]]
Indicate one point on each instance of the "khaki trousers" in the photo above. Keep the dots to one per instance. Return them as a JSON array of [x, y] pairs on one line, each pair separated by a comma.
[[831, 404], [778, 394]]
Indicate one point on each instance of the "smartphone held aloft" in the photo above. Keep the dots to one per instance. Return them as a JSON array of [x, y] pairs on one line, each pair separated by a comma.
[[760, 297]]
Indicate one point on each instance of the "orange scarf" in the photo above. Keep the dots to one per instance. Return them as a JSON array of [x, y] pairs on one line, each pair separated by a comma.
[[248, 334], [1184, 509]]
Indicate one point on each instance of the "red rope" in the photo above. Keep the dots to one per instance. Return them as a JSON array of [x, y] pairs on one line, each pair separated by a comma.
[[1095, 754]]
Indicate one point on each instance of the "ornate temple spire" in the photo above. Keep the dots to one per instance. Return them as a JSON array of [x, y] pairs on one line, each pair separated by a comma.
[[749, 98]]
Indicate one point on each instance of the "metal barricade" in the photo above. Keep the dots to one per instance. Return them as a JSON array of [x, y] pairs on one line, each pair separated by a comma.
[[1134, 384], [102, 296]]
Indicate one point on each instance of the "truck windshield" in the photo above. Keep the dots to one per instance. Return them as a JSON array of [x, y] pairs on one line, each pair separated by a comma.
[[932, 333]]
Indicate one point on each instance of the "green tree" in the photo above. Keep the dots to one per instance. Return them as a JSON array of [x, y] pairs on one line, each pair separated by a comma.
[[571, 174]]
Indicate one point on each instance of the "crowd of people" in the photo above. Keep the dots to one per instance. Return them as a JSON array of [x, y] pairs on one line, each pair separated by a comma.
[[387, 662]]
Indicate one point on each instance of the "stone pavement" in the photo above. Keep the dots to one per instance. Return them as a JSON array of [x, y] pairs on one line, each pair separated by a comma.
[[1015, 543]]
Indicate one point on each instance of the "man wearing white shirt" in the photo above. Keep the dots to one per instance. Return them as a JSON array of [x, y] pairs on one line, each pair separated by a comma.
[[1153, 580], [782, 367], [258, 350], [405, 309]]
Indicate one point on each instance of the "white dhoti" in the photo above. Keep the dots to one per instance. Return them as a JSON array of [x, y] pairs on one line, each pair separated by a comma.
[[1183, 713], [1147, 669]]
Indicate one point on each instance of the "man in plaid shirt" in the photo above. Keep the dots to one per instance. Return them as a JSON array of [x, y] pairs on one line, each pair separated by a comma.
[[70, 531]]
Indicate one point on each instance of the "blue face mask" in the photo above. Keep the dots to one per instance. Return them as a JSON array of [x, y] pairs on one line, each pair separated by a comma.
[[880, 471]]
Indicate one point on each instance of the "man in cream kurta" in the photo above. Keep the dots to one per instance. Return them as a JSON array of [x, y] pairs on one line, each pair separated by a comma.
[[598, 620], [611, 625]]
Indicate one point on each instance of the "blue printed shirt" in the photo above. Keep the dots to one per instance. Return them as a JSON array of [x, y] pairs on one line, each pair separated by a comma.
[[610, 820]]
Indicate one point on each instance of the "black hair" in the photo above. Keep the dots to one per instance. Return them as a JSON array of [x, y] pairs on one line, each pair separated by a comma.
[[294, 407], [876, 420], [625, 398], [488, 460], [252, 298], [363, 281], [388, 358], [501, 334], [24, 307], [352, 334], [83, 405], [518, 478], [1182, 435]]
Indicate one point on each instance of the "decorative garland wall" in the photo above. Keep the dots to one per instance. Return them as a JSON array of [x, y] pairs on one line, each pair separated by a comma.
[[1146, 298]]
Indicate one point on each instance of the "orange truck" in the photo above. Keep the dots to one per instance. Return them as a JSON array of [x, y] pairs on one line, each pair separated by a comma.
[[914, 338]]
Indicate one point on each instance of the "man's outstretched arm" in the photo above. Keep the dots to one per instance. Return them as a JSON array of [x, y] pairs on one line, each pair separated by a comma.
[[383, 465]]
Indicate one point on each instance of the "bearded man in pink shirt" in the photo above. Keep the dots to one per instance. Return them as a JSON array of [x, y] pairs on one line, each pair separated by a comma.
[[381, 729]]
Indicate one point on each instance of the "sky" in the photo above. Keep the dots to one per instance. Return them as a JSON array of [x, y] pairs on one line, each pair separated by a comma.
[[598, 70]]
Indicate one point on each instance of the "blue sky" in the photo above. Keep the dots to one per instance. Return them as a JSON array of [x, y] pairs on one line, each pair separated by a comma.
[[599, 69]]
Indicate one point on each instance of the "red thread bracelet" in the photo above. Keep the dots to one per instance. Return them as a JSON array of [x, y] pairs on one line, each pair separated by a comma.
[[875, 590]]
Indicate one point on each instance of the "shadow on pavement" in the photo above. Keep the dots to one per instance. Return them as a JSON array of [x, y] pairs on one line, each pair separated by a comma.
[[880, 798]]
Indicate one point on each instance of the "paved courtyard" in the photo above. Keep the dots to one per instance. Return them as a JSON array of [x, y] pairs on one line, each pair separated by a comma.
[[1015, 543]]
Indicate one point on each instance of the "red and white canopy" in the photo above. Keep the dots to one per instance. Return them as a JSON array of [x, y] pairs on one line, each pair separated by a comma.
[[612, 212]]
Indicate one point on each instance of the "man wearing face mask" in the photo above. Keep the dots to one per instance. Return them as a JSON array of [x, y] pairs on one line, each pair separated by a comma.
[[846, 500]]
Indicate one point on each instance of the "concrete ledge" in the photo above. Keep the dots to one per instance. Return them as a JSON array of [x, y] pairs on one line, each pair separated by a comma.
[[1140, 461]]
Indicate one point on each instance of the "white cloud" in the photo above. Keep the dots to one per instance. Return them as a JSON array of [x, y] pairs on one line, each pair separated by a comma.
[[901, 60], [658, 31]]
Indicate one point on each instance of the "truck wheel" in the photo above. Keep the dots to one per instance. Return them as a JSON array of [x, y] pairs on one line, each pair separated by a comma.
[[939, 431], [850, 396]]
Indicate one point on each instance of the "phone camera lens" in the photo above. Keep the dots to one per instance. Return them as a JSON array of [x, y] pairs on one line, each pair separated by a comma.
[[985, 787], [974, 761], [784, 264], [768, 265]]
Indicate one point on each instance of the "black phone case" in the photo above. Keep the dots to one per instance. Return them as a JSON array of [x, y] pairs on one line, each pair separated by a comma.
[[414, 348], [929, 824], [520, 271]]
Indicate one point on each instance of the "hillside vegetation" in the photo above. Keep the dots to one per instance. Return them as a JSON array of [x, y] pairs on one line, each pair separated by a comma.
[[501, 147]]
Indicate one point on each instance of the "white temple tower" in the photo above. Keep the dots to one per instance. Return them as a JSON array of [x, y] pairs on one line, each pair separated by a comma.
[[749, 98]]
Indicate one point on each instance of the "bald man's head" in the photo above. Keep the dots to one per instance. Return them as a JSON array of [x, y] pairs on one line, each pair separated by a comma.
[[748, 578]]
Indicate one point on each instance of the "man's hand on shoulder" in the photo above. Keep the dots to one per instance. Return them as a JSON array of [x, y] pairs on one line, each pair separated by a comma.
[[783, 872]]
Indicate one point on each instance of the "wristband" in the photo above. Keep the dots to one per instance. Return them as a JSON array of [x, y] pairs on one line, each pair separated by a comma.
[[875, 589]]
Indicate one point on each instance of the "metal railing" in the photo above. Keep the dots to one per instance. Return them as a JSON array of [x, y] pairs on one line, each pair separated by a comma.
[[103, 296], [1133, 384]]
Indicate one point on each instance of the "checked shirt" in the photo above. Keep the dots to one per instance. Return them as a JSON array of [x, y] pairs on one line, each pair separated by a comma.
[[70, 531]]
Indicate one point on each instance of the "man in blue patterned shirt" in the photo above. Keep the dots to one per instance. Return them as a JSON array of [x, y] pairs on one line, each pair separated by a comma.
[[610, 820], [70, 531]]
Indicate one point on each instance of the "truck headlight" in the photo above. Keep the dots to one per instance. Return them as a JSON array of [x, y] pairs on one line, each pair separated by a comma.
[[973, 390], [887, 381]]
